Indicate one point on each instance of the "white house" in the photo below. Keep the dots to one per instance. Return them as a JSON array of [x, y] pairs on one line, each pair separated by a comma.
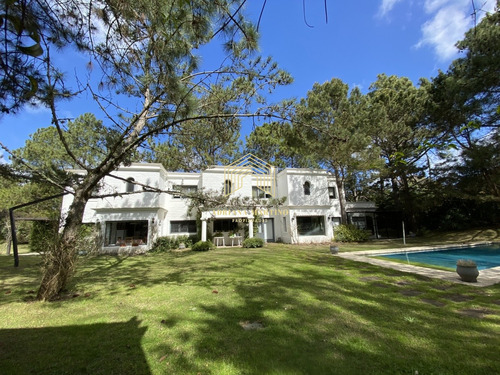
[[308, 215]]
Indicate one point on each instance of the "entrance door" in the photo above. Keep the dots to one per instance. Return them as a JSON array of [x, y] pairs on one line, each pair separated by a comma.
[[266, 230]]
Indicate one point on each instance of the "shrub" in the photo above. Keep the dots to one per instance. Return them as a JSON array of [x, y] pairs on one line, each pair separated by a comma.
[[202, 246], [350, 233], [253, 242], [164, 244]]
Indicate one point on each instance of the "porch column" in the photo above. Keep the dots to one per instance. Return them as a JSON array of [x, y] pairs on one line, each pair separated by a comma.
[[250, 228], [203, 229]]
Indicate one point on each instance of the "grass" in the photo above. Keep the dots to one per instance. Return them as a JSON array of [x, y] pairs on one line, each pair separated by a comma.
[[21, 248], [181, 313]]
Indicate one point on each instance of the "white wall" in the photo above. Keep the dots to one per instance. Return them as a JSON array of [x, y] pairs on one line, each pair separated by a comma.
[[214, 178], [164, 208]]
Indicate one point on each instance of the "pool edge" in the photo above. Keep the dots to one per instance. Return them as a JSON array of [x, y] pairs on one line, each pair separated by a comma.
[[486, 277]]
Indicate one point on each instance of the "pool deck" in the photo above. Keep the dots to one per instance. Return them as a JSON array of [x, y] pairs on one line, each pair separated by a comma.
[[486, 277]]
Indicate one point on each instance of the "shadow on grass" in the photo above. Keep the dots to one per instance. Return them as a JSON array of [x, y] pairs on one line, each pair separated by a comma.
[[76, 349], [321, 315], [319, 321]]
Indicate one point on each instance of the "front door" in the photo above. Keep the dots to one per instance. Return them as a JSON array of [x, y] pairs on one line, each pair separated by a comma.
[[265, 230]]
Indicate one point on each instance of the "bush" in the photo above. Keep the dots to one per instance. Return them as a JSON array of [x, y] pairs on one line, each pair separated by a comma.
[[202, 246], [43, 236], [253, 242], [164, 244], [89, 239], [350, 233]]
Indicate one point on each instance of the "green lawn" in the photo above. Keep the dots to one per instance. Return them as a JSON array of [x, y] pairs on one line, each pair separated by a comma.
[[182, 313]]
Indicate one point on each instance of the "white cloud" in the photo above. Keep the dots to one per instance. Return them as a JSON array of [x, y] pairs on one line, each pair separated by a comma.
[[450, 20], [431, 6], [386, 7], [447, 27], [36, 107]]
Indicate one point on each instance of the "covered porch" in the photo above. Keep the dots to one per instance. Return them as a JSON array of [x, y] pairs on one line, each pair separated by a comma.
[[228, 226]]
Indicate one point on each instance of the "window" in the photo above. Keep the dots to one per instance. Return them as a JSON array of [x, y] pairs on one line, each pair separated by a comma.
[[126, 233], [307, 188], [227, 187], [332, 193], [184, 189], [311, 225], [359, 222], [184, 226], [130, 186], [259, 193], [225, 225], [284, 224]]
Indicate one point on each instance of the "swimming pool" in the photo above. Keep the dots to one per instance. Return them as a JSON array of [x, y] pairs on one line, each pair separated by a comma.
[[485, 256]]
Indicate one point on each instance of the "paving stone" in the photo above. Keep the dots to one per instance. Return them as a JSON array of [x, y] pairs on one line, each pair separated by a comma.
[[404, 282], [475, 313], [410, 293], [250, 326], [380, 285], [433, 302], [458, 297], [370, 278]]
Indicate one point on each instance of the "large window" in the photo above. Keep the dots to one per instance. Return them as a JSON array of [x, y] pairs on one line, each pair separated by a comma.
[[311, 225], [184, 226], [126, 233], [225, 225], [259, 193], [184, 189]]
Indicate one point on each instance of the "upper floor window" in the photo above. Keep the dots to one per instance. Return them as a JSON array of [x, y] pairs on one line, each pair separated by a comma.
[[332, 193], [130, 186], [227, 187], [259, 193], [180, 190], [307, 188]]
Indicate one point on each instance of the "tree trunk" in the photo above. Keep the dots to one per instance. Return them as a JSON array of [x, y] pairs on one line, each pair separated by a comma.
[[59, 265], [59, 261], [342, 202]]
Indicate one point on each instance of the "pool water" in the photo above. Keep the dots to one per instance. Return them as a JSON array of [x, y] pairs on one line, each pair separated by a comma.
[[485, 256]]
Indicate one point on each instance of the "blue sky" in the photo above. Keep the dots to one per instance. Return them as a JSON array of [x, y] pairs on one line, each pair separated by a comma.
[[364, 38]]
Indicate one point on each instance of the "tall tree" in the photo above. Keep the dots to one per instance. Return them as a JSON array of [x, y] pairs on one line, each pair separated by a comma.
[[467, 96], [144, 53], [400, 133], [86, 136], [276, 143], [332, 122], [201, 143]]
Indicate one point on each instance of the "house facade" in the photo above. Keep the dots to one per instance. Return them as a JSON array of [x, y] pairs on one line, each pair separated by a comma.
[[308, 213]]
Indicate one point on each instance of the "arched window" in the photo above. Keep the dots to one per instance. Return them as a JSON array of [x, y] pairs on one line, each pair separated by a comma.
[[227, 187], [307, 188], [130, 186]]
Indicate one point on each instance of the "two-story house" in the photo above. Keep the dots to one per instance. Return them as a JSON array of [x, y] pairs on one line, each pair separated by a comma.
[[138, 216]]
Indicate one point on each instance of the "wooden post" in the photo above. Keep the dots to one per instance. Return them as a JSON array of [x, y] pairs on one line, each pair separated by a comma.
[[404, 234], [13, 222], [14, 236]]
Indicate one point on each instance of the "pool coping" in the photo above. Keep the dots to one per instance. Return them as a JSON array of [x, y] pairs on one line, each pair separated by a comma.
[[486, 277]]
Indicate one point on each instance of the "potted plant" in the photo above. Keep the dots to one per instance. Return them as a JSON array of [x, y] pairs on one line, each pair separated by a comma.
[[467, 270]]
